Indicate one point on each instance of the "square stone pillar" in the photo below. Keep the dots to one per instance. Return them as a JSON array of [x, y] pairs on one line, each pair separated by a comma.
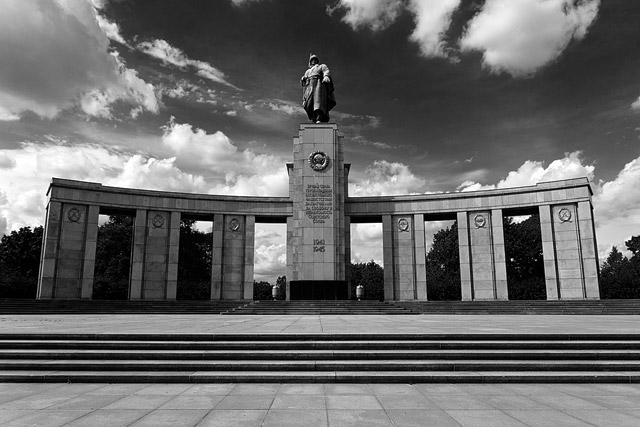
[[90, 246], [404, 257], [174, 253], [137, 254], [589, 250], [49, 252], [249, 253], [482, 259], [216, 257], [68, 252], [387, 257], [569, 249], [237, 256], [499, 256], [291, 275], [347, 254], [156, 255], [465, 256], [420, 251], [548, 252]]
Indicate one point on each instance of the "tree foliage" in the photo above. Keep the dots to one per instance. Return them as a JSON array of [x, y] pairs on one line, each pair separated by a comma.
[[194, 263], [371, 276], [20, 262], [113, 256], [525, 262], [443, 266], [619, 276]]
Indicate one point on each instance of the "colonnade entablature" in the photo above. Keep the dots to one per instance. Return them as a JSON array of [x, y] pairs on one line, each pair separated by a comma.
[[318, 215]]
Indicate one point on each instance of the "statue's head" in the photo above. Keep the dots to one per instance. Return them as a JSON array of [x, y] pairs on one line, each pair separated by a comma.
[[313, 59]]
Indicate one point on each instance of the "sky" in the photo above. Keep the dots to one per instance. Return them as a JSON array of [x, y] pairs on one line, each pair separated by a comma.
[[432, 96]]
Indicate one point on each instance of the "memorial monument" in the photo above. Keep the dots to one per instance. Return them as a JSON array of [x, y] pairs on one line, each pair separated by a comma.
[[319, 214]]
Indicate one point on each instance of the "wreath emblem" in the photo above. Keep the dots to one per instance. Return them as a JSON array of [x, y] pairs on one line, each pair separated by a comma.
[[564, 215], [74, 215], [479, 221], [234, 224], [318, 160], [403, 224], [157, 221]]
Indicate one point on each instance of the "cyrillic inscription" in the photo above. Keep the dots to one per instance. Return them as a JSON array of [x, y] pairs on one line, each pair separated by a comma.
[[319, 202]]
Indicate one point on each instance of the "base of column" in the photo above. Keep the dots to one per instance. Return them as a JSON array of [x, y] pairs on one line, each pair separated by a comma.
[[319, 290]]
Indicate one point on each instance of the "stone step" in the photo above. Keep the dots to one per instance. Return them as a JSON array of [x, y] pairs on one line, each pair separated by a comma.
[[319, 377], [313, 365], [322, 345], [270, 355]]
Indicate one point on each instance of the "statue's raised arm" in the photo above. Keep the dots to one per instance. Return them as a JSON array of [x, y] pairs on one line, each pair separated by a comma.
[[317, 91]]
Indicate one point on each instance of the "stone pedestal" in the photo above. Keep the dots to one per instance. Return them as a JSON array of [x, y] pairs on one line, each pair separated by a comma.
[[317, 238]]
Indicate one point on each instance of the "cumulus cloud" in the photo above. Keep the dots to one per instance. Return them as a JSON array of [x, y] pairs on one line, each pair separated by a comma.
[[366, 243], [532, 172], [245, 172], [55, 54], [24, 186], [375, 14], [384, 178], [521, 36], [433, 18], [618, 199], [270, 256], [636, 104], [168, 54]]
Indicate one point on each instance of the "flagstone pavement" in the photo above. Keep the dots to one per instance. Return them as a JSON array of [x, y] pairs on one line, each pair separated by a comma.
[[309, 405]]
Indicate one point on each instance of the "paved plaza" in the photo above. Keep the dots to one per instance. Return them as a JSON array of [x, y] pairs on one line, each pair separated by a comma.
[[399, 405]]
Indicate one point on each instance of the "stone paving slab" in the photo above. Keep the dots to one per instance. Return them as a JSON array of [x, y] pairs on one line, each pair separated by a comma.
[[319, 324], [323, 405]]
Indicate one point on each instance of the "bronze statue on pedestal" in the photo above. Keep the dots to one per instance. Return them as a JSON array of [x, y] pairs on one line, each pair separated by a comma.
[[317, 91]]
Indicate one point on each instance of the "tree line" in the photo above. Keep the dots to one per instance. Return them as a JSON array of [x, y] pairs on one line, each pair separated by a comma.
[[20, 257]]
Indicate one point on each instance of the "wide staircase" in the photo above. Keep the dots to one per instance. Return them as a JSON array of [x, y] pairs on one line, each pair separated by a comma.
[[30, 306], [326, 307], [326, 358]]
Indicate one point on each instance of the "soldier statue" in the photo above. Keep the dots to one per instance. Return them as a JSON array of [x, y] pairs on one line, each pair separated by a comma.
[[317, 91]]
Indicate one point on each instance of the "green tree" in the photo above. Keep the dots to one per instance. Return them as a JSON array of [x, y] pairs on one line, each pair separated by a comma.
[[194, 263], [371, 277], [20, 262], [618, 277], [443, 266], [525, 263], [113, 258], [262, 291]]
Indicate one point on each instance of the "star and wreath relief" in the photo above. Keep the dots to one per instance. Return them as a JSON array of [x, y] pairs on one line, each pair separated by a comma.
[[318, 160]]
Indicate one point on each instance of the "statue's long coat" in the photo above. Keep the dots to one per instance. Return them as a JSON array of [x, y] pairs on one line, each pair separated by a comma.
[[317, 95]]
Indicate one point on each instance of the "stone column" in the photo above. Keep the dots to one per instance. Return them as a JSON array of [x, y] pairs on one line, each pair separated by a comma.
[[573, 250], [548, 252], [174, 253], [483, 270], [71, 252], [499, 256], [89, 262], [234, 256], [589, 251], [137, 254], [49, 252], [347, 254], [387, 258], [465, 257], [216, 257], [291, 275], [249, 252], [156, 255], [420, 250]]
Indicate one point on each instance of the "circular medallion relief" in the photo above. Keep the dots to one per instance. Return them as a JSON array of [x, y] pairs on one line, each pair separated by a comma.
[[564, 215], [74, 215], [318, 160], [403, 224], [480, 221], [234, 224], [157, 221]]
